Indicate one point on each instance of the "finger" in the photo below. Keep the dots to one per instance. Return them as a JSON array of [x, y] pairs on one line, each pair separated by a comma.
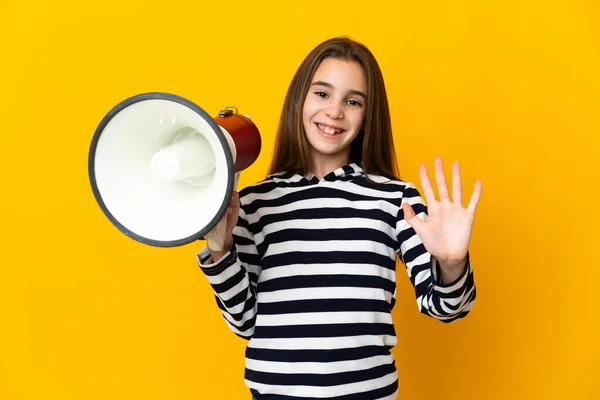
[[475, 197], [426, 184], [441, 180], [456, 184], [235, 199], [410, 217]]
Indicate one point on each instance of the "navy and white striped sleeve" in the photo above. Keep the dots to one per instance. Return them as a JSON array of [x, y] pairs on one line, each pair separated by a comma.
[[445, 302], [234, 279]]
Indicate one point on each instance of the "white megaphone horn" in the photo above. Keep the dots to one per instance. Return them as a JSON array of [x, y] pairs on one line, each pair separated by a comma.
[[163, 170]]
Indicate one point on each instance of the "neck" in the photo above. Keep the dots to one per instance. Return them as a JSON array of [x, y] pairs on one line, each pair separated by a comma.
[[322, 164]]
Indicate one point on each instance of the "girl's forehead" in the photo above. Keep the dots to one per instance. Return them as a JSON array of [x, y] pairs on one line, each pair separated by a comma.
[[340, 74]]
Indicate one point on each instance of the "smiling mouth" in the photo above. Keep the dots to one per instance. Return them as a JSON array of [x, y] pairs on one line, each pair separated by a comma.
[[329, 130]]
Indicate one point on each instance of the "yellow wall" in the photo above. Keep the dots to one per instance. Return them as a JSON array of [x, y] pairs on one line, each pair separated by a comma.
[[510, 88]]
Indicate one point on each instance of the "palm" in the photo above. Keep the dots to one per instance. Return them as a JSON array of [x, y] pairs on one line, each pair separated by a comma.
[[446, 232]]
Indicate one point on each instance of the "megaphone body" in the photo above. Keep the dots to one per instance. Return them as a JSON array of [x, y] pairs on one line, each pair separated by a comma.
[[163, 170]]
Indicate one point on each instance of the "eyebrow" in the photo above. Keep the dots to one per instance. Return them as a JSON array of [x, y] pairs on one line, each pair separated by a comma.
[[329, 85]]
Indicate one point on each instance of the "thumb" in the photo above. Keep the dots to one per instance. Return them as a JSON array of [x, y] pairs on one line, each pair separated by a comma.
[[409, 215]]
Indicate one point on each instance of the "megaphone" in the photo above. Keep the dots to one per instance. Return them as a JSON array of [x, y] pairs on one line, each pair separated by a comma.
[[163, 170]]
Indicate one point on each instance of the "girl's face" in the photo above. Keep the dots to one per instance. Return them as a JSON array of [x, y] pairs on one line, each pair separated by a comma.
[[334, 109]]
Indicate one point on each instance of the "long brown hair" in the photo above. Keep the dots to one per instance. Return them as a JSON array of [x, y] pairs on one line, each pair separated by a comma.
[[374, 145]]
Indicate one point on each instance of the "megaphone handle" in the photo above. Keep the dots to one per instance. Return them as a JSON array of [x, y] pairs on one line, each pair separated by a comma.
[[236, 179], [216, 237]]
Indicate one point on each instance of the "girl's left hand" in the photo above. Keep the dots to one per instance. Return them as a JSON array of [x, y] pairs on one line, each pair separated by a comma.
[[446, 231]]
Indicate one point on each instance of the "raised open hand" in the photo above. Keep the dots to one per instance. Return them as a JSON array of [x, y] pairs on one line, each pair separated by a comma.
[[446, 232]]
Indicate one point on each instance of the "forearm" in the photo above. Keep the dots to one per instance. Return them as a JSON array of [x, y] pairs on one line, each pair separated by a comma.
[[235, 294], [446, 301]]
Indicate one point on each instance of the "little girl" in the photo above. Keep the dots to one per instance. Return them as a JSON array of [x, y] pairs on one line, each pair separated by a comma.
[[309, 271]]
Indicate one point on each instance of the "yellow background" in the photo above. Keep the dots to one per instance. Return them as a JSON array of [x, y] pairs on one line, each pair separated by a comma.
[[509, 88]]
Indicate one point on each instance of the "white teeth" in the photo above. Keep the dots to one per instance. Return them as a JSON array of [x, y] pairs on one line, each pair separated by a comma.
[[329, 130]]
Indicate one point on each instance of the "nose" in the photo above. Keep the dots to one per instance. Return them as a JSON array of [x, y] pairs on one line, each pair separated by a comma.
[[334, 111]]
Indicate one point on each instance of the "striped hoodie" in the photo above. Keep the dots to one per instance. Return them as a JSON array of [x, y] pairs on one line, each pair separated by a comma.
[[311, 281]]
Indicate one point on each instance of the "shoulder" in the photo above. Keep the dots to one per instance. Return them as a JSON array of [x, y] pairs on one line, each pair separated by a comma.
[[400, 188], [267, 187]]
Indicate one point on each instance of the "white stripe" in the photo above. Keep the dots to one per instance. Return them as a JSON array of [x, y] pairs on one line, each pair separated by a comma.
[[324, 318], [246, 317], [235, 290], [225, 274], [273, 194], [367, 191], [466, 298], [468, 306], [320, 203], [414, 200], [410, 243], [447, 309], [330, 245], [323, 293], [458, 300], [318, 367], [382, 179], [421, 260], [248, 249], [326, 269], [242, 232], [461, 301], [238, 307], [422, 276]]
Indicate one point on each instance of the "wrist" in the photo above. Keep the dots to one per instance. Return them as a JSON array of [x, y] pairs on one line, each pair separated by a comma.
[[450, 271], [217, 255], [452, 265]]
